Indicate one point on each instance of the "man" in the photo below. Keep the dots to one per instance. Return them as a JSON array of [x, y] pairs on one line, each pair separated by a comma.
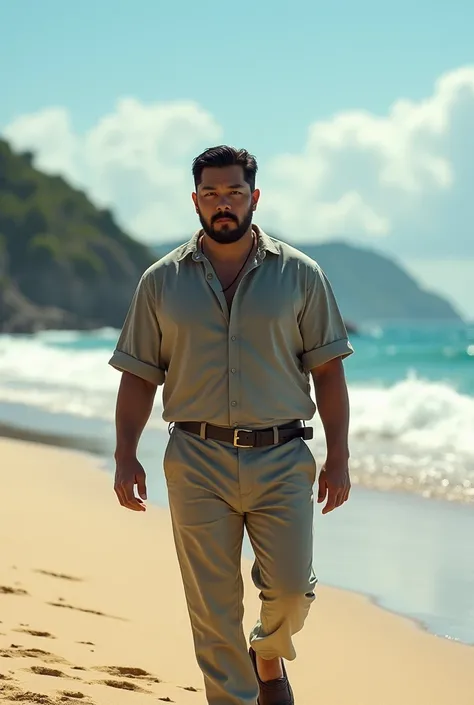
[[232, 324]]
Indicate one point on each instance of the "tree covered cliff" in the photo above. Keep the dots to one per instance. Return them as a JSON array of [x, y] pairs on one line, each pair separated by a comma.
[[63, 262]]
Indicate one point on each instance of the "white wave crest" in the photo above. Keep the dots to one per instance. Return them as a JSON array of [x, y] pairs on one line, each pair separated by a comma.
[[420, 414]]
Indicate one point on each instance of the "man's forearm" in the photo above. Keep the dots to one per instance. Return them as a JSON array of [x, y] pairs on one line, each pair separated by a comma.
[[333, 406], [134, 405]]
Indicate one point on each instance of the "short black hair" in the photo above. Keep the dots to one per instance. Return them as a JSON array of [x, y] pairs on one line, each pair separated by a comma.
[[226, 156]]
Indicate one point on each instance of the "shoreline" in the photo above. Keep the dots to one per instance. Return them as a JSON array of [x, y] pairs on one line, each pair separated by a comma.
[[417, 623], [77, 444], [142, 622], [90, 450]]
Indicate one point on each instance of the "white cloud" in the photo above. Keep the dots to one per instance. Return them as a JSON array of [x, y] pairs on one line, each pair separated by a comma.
[[136, 159], [405, 178], [49, 134]]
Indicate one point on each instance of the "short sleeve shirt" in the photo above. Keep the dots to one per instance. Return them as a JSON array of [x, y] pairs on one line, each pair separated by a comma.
[[249, 367]]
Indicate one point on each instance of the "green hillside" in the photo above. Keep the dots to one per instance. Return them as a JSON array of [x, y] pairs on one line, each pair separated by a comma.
[[64, 263], [371, 286]]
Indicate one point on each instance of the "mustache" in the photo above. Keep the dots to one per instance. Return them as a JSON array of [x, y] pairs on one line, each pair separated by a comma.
[[223, 216]]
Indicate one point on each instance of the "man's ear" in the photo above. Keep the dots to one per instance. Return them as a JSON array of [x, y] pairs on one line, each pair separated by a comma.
[[255, 198]]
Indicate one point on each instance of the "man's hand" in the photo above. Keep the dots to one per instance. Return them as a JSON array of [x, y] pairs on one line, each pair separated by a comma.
[[129, 473], [334, 482]]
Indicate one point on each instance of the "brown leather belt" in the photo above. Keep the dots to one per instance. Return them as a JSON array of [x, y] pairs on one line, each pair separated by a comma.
[[248, 438]]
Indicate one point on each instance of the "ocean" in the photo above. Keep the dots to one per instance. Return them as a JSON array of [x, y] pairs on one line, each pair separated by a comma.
[[405, 537]]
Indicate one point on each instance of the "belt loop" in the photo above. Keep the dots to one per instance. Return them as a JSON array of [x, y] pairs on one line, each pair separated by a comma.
[[202, 432], [276, 435]]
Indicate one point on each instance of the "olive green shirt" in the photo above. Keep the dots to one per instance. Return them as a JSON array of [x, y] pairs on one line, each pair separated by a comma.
[[247, 368]]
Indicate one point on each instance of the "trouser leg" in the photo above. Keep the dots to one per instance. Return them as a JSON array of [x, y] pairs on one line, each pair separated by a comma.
[[208, 525], [280, 527]]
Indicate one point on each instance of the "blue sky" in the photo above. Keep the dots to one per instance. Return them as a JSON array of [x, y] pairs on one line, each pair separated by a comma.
[[264, 75], [261, 78]]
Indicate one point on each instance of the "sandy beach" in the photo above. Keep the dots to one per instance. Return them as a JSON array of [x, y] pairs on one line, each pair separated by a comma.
[[92, 609]]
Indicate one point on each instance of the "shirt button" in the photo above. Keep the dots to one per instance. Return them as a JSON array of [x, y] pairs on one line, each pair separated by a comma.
[[233, 337], [233, 370], [233, 403], [210, 276]]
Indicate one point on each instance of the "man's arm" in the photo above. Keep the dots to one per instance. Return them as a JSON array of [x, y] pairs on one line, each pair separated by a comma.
[[325, 346], [332, 401], [138, 357], [134, 405]]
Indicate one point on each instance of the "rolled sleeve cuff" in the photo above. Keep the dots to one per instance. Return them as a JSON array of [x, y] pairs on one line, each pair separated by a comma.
[[127, 363], [319, 356]]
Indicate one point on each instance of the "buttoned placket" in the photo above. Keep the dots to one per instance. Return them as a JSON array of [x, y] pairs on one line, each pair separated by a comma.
[[232, 328]]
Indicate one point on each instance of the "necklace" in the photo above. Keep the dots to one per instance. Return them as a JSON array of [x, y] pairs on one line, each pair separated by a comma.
[[245, 262]]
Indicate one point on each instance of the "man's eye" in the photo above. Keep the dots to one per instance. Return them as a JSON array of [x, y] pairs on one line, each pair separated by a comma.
[[235, 193]]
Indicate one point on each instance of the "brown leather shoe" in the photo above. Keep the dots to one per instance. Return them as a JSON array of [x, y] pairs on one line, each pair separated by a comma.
[[274, 692]]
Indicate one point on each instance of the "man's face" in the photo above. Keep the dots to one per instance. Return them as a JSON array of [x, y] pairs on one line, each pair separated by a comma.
[[225, 203]]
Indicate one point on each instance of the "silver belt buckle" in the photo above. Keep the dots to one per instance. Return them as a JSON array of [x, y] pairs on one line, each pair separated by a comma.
[[236, 437]]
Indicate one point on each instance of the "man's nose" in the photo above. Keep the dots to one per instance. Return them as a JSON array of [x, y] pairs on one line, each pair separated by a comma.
[[223, 204]]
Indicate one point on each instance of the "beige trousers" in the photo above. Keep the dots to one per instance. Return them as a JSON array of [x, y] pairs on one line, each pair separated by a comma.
[[215, 491]]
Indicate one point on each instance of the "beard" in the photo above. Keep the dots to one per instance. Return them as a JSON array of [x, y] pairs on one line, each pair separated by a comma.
[[228, 232]]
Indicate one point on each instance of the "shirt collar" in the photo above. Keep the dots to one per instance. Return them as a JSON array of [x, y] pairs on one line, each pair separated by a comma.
[[265, 244], [191, 247]]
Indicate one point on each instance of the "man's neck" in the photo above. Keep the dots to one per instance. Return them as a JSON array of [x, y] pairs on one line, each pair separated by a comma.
[[228, 253]]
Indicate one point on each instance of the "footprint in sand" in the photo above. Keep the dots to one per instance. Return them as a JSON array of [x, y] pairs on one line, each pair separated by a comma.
[[68, 695], [66, 606], [60, 576], [44, 671], [8, 590], [122, 685], [191, 688], [36, 632], [27, 696], [137, 674], [50, 672], [16, 651], [17, 695], [13, 693], [129, 672]]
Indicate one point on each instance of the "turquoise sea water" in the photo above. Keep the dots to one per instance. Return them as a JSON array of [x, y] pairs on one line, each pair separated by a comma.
[[404, 538]]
